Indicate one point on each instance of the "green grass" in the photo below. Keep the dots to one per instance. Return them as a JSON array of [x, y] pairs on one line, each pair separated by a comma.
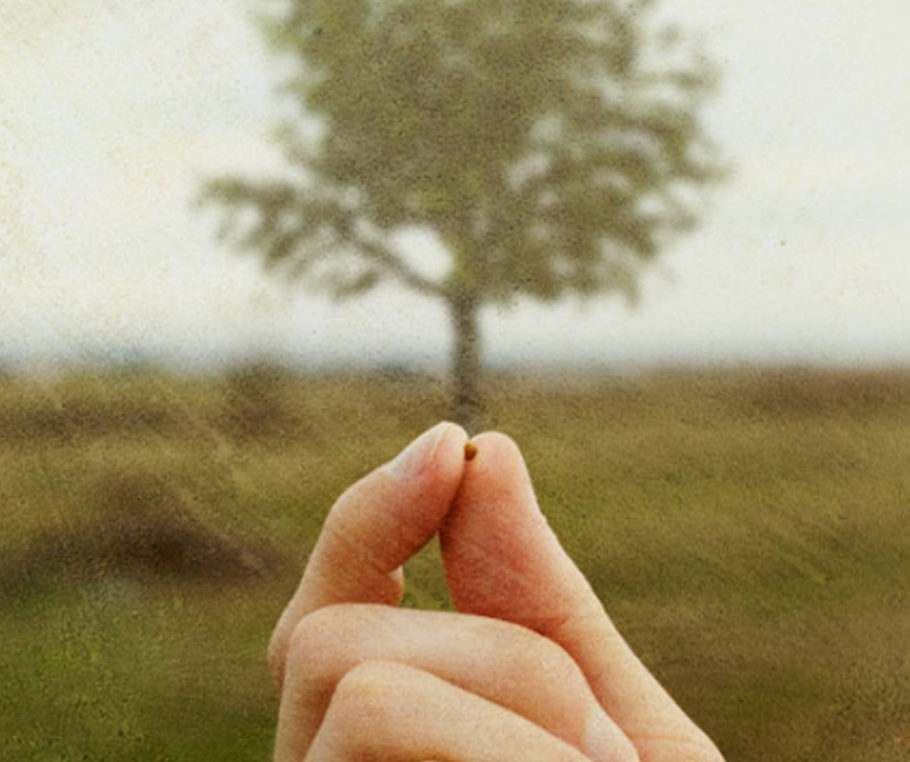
[[746, 529]]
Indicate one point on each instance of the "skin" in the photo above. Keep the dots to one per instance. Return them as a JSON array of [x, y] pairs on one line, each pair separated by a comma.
[[530, 667]]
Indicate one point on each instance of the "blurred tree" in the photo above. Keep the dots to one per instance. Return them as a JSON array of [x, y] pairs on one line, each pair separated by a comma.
[[550, 146]]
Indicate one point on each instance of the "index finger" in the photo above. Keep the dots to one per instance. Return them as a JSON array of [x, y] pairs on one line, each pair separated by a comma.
[[373, 528]]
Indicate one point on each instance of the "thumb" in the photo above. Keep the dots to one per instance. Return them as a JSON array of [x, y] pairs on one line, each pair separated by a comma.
[[502, 560]]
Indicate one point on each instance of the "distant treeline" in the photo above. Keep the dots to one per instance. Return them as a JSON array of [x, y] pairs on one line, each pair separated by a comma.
[[262, 401]]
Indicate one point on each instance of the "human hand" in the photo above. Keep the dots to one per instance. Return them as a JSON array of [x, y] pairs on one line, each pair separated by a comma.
[[530, 668]]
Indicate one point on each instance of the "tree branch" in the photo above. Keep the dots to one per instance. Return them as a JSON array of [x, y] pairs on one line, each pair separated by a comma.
[[381, 255]]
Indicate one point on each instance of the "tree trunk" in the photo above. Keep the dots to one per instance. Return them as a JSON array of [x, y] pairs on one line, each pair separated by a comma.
[[467, 399]]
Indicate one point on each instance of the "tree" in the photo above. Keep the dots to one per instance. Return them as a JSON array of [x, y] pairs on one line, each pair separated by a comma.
[[550, 145]]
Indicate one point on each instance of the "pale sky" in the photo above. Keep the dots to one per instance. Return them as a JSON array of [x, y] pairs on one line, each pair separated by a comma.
[[113, 111]]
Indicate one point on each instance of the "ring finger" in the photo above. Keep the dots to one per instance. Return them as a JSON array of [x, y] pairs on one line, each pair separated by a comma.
[[498, 661], [391, 711]]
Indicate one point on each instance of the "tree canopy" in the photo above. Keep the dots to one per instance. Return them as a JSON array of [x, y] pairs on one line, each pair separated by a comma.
[[550, 145]]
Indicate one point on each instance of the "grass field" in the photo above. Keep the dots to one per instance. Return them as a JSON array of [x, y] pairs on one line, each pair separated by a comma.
[[748, 530]]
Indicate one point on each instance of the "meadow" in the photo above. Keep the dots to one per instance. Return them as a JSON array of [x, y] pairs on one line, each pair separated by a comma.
[[748, 530]]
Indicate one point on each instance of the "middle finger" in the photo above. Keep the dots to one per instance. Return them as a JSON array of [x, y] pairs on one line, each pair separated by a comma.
[[499, 661]]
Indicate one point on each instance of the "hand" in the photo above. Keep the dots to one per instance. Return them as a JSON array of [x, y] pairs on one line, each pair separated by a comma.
[[530, 668]]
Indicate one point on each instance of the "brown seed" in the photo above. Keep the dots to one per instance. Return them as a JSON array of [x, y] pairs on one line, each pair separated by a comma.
[[470, 450]]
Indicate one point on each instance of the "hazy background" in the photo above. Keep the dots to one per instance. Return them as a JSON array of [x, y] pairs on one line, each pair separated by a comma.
[[745, 527], [112, 113]]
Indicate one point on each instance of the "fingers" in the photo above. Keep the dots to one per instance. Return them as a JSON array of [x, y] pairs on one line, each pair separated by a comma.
[[502, 560], [499, 661], [373, 528], [387, 710]]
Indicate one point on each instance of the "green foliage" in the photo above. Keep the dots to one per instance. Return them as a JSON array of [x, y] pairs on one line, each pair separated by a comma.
[[551, 145], [746, 530]]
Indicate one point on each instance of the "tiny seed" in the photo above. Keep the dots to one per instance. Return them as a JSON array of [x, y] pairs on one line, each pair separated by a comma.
[[470, 450]]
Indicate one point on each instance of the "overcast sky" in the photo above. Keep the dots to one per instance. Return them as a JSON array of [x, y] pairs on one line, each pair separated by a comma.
[[112, 111]]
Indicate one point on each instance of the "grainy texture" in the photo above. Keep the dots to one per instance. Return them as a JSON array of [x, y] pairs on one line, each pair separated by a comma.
[[746, 530]]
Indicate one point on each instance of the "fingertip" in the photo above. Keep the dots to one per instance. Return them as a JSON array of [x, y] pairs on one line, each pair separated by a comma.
[[496, 441], [501, 557], [444, 470], [452, 443], [436, 447], [493, 455]]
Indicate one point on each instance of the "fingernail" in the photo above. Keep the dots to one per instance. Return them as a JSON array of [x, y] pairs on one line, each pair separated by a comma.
[[414, 458], [603, 740]]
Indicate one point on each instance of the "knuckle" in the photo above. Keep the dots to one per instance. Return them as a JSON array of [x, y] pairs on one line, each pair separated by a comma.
[[366, 693], [322, 637], [311, 631]]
